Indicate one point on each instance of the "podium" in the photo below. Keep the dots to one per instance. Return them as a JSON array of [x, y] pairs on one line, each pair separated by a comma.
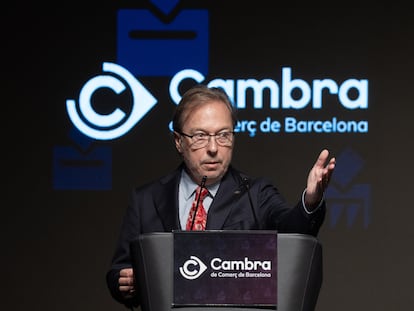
[[299, 273]]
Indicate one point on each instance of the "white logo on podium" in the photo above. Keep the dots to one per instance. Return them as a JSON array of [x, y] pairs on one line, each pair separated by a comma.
[[192, 268]]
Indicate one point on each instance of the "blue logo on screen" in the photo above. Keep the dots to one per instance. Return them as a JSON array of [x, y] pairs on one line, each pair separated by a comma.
[[148, 46], [82, 165], [347, 197]]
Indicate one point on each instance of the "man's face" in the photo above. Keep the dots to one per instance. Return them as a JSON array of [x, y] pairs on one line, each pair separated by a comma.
[[212, 160]]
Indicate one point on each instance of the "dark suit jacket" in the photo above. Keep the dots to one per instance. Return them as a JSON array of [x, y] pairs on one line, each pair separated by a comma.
[[154, 208]]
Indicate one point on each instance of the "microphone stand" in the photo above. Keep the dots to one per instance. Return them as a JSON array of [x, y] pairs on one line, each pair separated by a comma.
[[246, 184]]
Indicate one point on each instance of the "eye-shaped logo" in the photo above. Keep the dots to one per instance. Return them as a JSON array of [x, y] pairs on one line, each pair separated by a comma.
[[117, 123], [189, 269]]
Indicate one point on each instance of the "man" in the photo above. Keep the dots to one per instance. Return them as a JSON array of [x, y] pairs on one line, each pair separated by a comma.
[[203, 125]]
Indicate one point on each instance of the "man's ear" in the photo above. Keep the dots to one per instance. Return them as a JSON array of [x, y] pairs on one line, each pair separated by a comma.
[[177, 141]]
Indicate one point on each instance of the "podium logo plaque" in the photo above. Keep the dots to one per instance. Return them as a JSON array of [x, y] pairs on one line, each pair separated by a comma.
[[225, 268]]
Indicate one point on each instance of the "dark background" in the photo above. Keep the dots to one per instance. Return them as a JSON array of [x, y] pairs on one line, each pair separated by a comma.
[[57, 244]]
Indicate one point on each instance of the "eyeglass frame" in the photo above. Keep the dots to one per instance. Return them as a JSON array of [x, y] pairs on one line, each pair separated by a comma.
[[208, 140]]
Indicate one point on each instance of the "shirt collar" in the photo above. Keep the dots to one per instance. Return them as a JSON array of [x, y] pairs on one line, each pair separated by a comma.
[[189, 186]]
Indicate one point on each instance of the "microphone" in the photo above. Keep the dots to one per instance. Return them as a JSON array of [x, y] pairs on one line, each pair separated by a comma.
[[202, 185], [246, 184]]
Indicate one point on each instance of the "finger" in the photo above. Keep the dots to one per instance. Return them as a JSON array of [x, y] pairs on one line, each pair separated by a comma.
[[127, 272], [126, 288], [331, 162], [327, 173], [126, 281], [330, 167], [322, 159]]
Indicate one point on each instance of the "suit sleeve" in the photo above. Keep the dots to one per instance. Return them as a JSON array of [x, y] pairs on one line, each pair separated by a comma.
[[277, 214]]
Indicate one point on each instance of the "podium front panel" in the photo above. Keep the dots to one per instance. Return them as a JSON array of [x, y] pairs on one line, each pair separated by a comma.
[[225, 268]]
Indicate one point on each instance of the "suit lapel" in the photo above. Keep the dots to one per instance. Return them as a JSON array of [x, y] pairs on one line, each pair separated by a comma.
[[223, 203], [166, 201]]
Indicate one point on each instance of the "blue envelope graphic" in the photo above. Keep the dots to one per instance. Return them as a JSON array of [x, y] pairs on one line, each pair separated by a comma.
[[147, 46], [76, 170], [353, 202]]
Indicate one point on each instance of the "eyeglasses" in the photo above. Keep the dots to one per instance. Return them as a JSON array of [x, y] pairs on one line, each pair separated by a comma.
[[200, 140]]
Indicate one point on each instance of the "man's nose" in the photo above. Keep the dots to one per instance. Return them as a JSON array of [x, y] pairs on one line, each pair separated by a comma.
[[212, 144]]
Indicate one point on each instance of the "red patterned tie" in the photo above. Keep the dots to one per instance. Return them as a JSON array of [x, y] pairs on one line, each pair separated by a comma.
[[201, 216]]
